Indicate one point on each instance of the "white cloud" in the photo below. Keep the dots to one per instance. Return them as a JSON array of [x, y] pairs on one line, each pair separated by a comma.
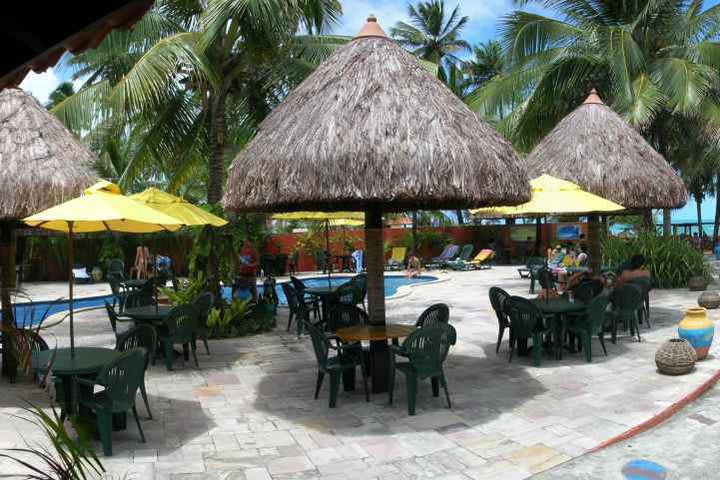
[[41, 85]]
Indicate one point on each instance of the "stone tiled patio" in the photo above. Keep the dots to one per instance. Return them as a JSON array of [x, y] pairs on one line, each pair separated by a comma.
[[248, 413]]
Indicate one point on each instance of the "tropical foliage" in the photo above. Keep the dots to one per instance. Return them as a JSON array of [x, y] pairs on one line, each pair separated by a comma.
[[240, 318], [671, 262]]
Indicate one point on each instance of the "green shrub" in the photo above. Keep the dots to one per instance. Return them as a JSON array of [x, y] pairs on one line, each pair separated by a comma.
[[427, 239], [241, 318], [670, 261], [186, 294]]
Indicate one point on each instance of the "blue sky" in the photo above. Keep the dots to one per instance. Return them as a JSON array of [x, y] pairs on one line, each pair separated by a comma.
[[485, 16]]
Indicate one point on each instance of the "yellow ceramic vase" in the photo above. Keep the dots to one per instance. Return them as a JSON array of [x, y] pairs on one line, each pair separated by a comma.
[[697, 329]]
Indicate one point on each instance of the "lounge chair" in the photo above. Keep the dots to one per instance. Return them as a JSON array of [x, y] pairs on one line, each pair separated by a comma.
[[463, 258], [81, 275], [397, 258], [448, 254], [483, 259]]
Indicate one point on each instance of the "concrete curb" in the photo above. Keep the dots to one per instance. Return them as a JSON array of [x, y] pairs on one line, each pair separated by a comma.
[[662, 416]]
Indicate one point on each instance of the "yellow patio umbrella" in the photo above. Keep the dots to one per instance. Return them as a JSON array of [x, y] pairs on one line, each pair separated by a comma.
[[550, 195], [331, 219], [101, 208], [179, 208]]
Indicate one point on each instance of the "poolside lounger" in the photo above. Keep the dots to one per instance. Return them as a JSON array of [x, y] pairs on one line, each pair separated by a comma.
[[397, 258], [482, 260], [446, 255], [462, 260]]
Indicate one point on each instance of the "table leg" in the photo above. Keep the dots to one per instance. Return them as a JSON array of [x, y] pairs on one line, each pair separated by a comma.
[[348, 379], [522, 346], [379, 364]]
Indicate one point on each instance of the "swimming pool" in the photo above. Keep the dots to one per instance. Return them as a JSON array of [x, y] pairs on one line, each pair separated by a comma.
[[28, 314]]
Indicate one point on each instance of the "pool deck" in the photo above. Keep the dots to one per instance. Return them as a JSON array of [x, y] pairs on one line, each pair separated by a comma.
[[248, 412]]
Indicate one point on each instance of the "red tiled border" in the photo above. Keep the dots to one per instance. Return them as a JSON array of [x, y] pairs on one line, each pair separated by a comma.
[[662, 416]]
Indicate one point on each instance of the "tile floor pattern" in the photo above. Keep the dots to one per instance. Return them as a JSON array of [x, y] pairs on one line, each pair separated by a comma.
[[249, 413]]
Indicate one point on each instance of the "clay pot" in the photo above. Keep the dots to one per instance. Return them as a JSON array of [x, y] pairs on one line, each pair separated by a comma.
[[709, 300], [697, 329], [697, 284]]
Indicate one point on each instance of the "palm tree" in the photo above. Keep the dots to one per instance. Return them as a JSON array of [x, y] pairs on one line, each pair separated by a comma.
[[488, 62], [431, 35], [63, 91], [651, 59]]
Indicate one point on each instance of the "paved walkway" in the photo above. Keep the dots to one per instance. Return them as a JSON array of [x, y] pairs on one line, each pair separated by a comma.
[[248, 413]]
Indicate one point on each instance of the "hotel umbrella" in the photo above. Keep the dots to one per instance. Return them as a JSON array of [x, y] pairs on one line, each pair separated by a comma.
[[186, 213], [331, 219], [100, 209], [596, 149], [371, 129]]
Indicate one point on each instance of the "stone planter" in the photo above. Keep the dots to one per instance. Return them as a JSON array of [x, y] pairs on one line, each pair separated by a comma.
[[709, 300], [675, 357], [697, 329], [697, 284]]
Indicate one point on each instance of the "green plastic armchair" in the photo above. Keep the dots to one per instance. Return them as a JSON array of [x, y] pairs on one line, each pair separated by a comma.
[[348, 357], [426, 349], [203, 303], [593, 323], [143, 336], [527, 323], [180, 323], [121, 379], [626, 300]]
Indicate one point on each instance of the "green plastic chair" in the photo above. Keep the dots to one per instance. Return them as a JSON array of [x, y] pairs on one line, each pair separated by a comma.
[[121, 379], [534, 265], [180, 323], [298, 309], [434, 314], [593, 323], [526, 322], [143, 336], [645, 285], [497, 300], [203, 303], [348, 357], [310, 301], [626, 301], [361, 281], [113, 317], [426, 349], [346, 316]]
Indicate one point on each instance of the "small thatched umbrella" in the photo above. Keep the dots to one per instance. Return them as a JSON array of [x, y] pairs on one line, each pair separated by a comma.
[[596, 149], [41, 164], [371, 129]]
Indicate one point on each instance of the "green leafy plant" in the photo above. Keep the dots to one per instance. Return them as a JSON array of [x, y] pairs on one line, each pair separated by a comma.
[[66, 458], [110, 249], [427, 239], [670, 261], [186, 294], [309, 244], [240, 318]]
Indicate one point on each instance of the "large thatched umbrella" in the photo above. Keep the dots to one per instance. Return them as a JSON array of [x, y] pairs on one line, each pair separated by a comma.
[[596, 149], [371, 129], [41, 164]]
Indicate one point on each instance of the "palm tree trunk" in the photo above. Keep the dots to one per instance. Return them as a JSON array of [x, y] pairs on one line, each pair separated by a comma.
[[716, 226], [216, 179], [667, 223], [460, 218], [7, 257], [414, 234], [698, 208]]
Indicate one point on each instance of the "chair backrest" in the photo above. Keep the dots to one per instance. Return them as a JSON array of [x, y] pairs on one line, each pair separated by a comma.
[[112, 316], [644, 283], [361, 281], [291, 296], [297, 284], [346, 316], [146, 294], [428, 347], [497, 300], [626, 299], [596, 312], [181, 323], [544, 277], [116, 266], [203, 303], [321, 344], [348, 294], [143, 335], [466, 252], [434, 314], [524, 316], [585, 292], [485, 254], [398, 254], [122, 377], [450, 252], [534, 263]]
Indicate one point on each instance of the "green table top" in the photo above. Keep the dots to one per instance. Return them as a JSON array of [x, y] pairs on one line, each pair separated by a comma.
[[321, 291], [559, 305], [134, 283], [149, 313], [87, 360]]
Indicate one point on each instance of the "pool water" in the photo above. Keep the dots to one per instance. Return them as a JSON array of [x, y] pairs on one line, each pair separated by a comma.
[[29, 314]]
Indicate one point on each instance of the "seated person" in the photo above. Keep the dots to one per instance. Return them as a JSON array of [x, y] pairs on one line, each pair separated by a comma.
[[636, 270], [582, 257], [414, 266]]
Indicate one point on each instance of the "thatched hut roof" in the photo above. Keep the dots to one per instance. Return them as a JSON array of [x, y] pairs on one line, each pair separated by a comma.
[[596, 149], [41, 163], [372, 126]]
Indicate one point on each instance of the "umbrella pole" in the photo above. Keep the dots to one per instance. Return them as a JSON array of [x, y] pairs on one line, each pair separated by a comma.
[[155, 272], [379, 354], [328, 263], [71, 255]]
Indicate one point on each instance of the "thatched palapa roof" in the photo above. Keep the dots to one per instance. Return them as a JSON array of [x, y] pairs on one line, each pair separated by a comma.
[[595, 148], [41, 163], [372, 126]]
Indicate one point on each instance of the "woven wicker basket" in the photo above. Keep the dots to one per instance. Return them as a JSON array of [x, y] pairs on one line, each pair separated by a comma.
[[675, 357], [709, 300]]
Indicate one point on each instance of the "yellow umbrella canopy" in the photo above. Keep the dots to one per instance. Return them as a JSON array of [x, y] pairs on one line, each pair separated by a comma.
[[550, 195], [101, 208], [320, 216], [178, 208]]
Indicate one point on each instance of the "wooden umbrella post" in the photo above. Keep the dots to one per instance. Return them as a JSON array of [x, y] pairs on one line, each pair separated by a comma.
[[375, 263], [71, 255], [594, 250]]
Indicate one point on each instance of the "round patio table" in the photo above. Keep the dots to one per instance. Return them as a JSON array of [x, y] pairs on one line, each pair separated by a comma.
[[87, 363], [377, 335], [324, 294], [148, 313], [133, 284], [556, 310]]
